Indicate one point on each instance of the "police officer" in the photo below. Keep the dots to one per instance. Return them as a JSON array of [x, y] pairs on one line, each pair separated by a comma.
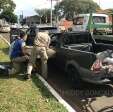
[[41, 48]]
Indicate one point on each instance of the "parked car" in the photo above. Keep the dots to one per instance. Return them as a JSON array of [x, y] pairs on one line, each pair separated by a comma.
[[76, 53], [25, 26], [31, 32]]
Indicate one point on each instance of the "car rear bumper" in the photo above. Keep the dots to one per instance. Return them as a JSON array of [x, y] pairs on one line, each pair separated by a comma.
[[100, 81], [101, 77]]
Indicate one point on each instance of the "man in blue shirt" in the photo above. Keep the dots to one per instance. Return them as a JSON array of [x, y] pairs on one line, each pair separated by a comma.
[[18, 53]]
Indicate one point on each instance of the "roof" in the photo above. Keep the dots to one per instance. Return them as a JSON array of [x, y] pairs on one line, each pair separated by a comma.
[[106, 11], [73, 32], [45, 26], [94, 14]]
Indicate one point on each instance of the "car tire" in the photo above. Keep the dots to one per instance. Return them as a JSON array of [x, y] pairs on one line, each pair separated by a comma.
[[111, 79], [74, 77]]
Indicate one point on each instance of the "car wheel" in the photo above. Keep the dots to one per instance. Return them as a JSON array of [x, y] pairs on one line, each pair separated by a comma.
[[111, 79], [74, 76]]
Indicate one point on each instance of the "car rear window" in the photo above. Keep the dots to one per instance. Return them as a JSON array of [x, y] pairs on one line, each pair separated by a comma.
[[49, 29], [77, 39]]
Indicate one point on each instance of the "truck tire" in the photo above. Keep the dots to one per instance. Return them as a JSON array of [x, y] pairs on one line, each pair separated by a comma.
[[111, 79], [74, 76]]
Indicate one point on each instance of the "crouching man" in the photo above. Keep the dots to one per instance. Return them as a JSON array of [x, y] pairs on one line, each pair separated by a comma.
[[41, 48], [18, 53]]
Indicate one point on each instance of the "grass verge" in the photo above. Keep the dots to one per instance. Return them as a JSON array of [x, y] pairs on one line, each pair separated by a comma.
[[17, 95]]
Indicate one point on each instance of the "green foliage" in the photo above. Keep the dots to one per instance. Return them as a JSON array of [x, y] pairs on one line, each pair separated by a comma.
[[69, 8], [7, 5], [6, 8], [44, 15], [9, 16]]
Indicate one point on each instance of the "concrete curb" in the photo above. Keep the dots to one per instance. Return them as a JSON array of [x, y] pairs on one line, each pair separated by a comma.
[[56, 95]]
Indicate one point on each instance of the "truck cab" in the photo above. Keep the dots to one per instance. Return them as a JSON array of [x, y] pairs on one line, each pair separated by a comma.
[[98, 22]]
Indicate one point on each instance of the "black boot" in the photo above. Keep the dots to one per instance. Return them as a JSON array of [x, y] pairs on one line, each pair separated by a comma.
[[27, 76]]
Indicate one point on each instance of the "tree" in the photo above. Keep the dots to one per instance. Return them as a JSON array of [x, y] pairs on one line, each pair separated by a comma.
[[7, 5], [69, 8], [44, 15], [8, 16]]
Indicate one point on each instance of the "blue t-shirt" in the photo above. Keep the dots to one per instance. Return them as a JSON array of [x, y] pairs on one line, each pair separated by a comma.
[[17, 48]]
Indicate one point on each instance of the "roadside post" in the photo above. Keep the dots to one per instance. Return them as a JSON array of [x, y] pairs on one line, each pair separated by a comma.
[[90, 24], [51, 13]]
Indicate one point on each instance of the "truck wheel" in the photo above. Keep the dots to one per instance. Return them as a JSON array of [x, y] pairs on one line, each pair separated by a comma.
[[111, 79], [74, 76]]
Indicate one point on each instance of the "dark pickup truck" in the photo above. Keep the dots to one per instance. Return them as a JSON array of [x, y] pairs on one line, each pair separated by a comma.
[[75, 53]]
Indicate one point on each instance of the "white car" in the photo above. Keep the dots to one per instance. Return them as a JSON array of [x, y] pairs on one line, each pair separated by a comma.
[[25, 26], [5, 29]]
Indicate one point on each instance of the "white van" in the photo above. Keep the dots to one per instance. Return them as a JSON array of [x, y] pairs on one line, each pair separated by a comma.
[[80, 22]]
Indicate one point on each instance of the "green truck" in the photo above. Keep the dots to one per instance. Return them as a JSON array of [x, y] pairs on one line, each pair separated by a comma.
[[92, 22]]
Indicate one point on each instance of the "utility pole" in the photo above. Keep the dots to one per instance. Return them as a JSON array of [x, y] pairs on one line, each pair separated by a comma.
[[99, 2], [57, 16], [51, 20], [51, 14]]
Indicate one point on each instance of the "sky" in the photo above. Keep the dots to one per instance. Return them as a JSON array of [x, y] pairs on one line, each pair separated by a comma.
[[105, 4], [28, 6]]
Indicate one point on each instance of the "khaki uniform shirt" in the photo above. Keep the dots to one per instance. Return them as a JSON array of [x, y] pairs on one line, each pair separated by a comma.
[[42, 40]]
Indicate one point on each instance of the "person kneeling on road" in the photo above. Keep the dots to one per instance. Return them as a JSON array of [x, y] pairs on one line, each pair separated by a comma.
[[18, 53], [41, 48]]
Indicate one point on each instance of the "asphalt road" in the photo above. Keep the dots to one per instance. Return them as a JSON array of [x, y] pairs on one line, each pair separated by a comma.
[[96, 98]]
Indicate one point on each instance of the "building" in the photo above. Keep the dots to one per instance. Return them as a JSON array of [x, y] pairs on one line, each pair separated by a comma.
[[65, 24], [109, 12], [31, 20]]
